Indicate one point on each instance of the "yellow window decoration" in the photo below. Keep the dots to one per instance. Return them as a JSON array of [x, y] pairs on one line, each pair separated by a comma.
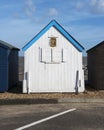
[[53, 41]]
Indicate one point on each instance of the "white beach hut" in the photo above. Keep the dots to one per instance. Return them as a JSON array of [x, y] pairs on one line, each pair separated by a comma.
[[53, 62]]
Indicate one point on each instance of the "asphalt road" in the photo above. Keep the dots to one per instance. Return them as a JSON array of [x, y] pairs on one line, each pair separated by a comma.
[[85, 117]]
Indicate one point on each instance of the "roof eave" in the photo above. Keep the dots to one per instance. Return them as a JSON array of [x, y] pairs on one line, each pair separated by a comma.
[[60, 29], [101, 43]]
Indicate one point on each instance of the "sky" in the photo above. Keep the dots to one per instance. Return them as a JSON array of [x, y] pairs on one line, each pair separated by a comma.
[[21, 20]]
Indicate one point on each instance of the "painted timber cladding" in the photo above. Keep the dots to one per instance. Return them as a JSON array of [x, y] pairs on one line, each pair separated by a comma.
[[96, 66], [13, 68], [8, 66], [60, 77], [3, 69]]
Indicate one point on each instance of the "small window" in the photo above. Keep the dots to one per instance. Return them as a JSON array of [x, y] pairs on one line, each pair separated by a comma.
[[53, 41]]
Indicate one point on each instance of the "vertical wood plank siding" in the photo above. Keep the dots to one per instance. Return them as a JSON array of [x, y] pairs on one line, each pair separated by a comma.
[[13, 68], [96, 67], [3, 69], [53, 77]]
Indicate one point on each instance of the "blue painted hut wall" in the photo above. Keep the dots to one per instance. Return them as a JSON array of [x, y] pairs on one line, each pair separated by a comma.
[[8, 66], [3, 69], [13, 68]]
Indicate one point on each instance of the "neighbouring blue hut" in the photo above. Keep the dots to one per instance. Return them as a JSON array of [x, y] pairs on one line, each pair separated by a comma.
[[8, 66]]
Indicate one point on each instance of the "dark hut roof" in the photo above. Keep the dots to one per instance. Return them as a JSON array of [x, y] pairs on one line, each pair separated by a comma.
[[7, 45], [100, 44]]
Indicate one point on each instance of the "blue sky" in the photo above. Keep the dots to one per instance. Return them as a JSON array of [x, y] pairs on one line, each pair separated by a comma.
[[21, 20]]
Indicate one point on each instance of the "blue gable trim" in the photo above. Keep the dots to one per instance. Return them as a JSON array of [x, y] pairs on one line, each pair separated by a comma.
[[60, 29]]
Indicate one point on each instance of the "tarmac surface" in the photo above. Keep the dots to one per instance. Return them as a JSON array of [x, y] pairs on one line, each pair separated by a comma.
[[87, 116], [18, 110]]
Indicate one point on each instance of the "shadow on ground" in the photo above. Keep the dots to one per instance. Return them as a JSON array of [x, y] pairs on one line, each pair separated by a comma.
[[28, 101]]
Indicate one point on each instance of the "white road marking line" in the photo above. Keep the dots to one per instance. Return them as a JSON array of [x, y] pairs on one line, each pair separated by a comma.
[[45, 119]]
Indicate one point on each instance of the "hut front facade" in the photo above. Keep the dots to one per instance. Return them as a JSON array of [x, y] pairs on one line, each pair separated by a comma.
[[8, 66], [53, 62], [96, 66]]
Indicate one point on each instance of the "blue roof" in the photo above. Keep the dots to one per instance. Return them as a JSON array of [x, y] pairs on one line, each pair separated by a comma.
[[55, 24]]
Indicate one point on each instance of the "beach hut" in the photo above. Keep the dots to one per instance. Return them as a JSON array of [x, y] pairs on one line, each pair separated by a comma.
[[96, 66], [8, 66], [53, 62]]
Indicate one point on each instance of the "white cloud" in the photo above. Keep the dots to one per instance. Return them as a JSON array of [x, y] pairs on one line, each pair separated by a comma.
[[80, 5], [52, 12], [30, 8], [90, 7], [97, 6]]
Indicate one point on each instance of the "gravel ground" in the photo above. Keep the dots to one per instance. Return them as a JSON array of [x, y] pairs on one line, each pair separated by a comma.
[[16, 93]]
